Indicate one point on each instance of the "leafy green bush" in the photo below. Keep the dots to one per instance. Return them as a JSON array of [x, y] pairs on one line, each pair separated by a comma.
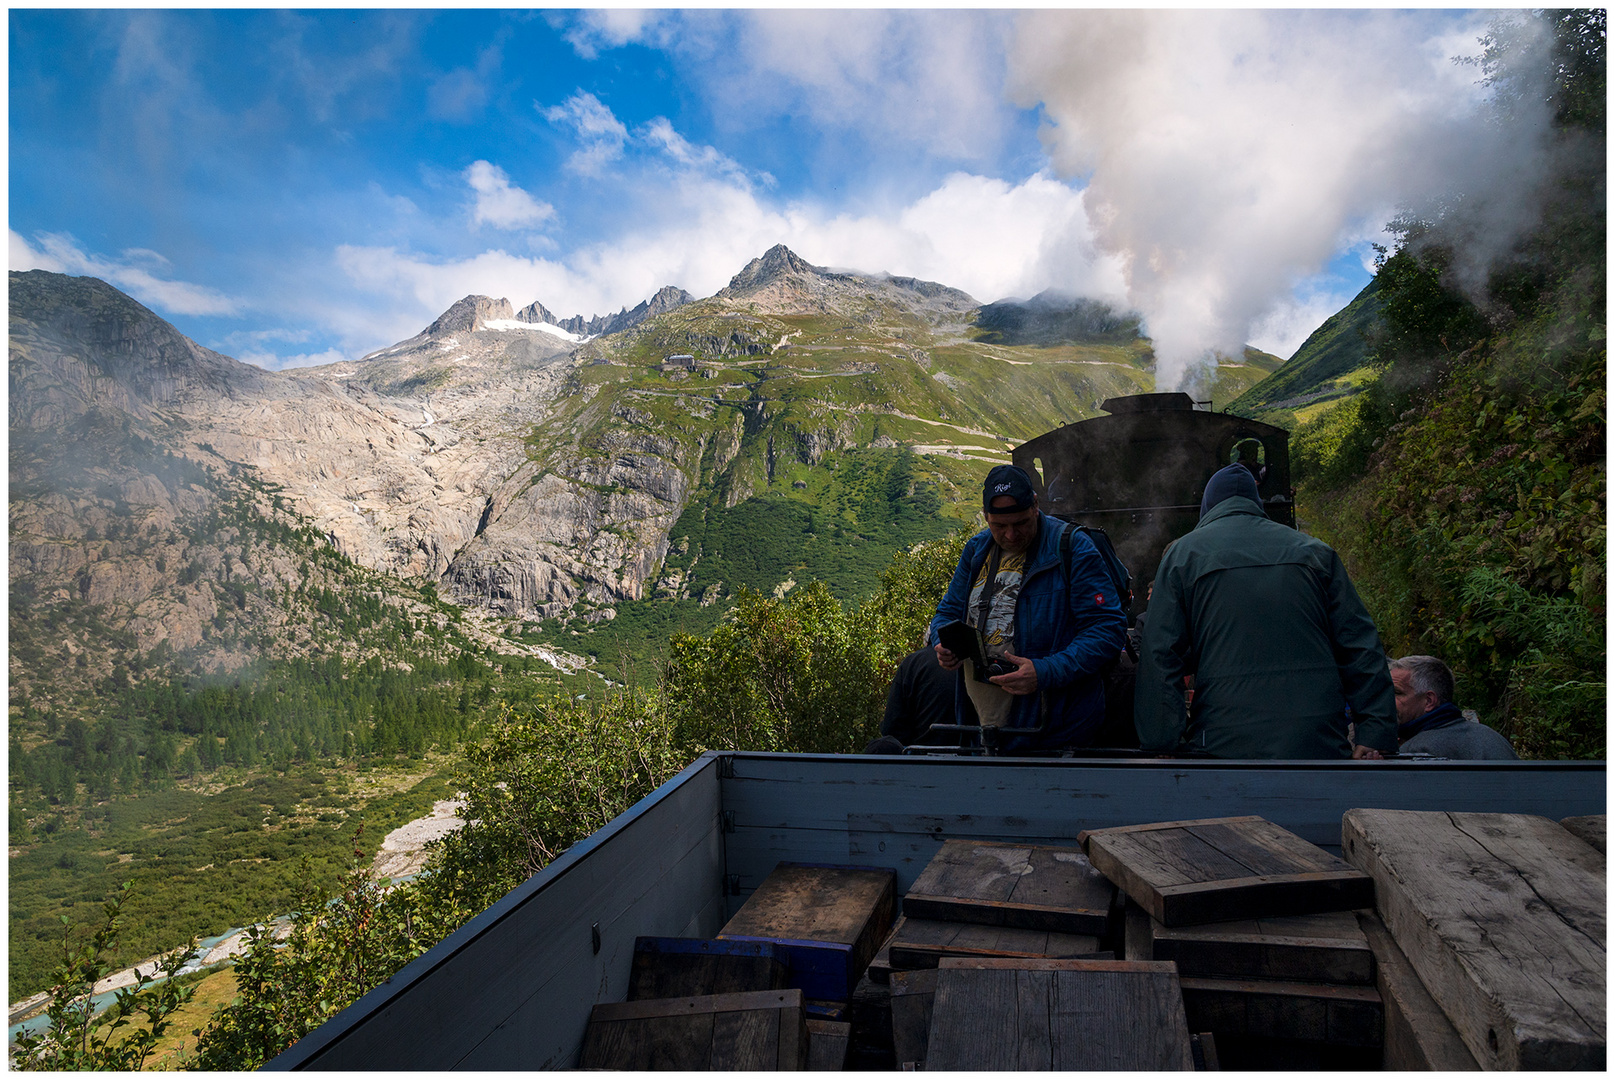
[[76, 1037]]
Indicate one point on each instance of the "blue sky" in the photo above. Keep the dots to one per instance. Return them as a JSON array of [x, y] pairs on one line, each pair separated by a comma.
[[296, 187]]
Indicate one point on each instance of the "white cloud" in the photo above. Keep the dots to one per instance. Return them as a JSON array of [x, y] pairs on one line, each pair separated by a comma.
[[1232, 154], [612, 28], [60, 253], [986, 236], [597, 127], [1287, 324], [659, 133], [300, 360], [895, 80], [499, 202]]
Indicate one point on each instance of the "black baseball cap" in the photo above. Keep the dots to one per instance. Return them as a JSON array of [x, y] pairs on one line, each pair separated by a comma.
[[1007, 480]]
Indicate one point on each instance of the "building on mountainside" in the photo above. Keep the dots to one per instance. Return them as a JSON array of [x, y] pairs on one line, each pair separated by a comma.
[[677, 366]]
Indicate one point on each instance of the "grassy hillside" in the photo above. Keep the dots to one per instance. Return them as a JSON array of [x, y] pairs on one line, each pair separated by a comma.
[[1331, 364]]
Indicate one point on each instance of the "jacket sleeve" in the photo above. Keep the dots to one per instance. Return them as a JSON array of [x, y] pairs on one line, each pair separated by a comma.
[[957, 597], [1365, 680], [1100, 627], [1164, 658]]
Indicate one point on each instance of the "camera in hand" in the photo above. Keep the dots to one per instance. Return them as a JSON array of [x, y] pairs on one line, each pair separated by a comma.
[[965, 642]]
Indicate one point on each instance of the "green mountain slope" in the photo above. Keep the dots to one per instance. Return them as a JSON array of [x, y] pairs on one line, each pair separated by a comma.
[[1330, 365]]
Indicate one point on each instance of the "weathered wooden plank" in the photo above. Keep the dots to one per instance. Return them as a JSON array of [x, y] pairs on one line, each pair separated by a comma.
[[1057, 1014], [688, 967], [1189, 872], [512, 988], [1590, 827], [913, 996], [1418, 1035], [828, 921], [1138, 941], [743, 1041], [1270, 1008], [880, 967], [1503, 918], [753, 1031], [1203, 1047], [921, 943], [1031, 886], [827, 1044], [1327, 948]]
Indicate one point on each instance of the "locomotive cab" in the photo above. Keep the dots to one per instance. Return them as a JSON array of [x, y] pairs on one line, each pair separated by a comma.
[[1139, 473]]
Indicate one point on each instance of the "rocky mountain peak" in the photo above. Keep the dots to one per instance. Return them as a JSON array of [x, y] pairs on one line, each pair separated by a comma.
[[538, 313], [666, 299], [471, 314], [78, 343], [777, 262]]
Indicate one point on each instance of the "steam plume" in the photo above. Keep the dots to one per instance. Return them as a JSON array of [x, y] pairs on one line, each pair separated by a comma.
[[1231, 154]]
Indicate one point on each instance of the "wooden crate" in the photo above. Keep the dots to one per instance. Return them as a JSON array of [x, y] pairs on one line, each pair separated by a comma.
[[1217, 869], [1418, 1035], [913, 993], [1057, 1014], [828, 922], [1326, 948], [692, 967], [1273, 1009], [921, 943], [751, 1031], [1590, 827], [1503, 918], [1029, 886], [827, 1044]]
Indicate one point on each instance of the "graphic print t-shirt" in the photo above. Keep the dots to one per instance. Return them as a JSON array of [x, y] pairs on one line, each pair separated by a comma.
[[999, 632]]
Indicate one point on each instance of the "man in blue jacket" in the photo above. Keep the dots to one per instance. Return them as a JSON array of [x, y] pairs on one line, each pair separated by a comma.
[[1052, 631]]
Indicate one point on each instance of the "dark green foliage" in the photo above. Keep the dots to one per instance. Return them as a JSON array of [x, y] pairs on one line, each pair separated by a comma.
[[199, 863], [76, 1039], [334, 954]]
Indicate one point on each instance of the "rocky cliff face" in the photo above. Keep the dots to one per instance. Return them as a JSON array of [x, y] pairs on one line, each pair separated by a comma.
[[79, 344]]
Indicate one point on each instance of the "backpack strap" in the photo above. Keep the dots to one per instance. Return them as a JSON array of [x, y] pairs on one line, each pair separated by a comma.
[[988, 588]]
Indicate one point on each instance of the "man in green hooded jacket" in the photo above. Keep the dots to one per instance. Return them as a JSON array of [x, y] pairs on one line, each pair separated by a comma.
[[1277, 640]]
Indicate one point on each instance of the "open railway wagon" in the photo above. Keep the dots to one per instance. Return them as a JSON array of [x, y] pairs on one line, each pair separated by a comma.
[[1139, 472], [515, 988]]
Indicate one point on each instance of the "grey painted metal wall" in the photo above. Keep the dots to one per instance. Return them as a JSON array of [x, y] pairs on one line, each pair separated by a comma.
[[896, 811], [512, 989]]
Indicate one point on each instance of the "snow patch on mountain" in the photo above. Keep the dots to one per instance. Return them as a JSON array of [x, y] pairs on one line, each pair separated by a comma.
[[548, 328]]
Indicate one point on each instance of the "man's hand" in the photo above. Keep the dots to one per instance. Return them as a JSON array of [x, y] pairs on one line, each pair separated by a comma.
[[947, 660], [1023, 680], [1366, 753]]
